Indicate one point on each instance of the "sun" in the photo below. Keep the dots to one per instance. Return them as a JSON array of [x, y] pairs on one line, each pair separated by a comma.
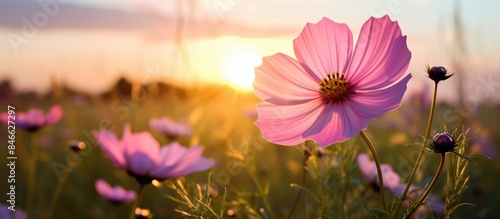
[[238, 65]]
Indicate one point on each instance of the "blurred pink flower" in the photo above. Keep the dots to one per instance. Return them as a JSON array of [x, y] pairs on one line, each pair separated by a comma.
[[369, 170], [140, 155], [392, 182], [435, 203], [116, 195], [34, 119], [5, 213], [330, 92], [169, 128], [483, 145]]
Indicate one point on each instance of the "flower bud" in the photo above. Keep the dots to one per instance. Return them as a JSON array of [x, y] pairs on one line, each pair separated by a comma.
[[443, 142], [437, 73]]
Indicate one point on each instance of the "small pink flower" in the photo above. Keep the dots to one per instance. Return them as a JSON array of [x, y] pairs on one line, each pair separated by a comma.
[[369, 170], [169, 128], [331, 92], [116, 195], [34, 119], [392, 182], [140, 155]]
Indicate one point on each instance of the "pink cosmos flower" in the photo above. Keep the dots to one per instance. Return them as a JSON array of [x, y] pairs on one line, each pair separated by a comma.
[[141, 156], [34, 119], [169, 128], [369, 170], [116, 195], [331, 92]]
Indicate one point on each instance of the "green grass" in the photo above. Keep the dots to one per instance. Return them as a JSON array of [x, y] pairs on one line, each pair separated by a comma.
[[256, 174]]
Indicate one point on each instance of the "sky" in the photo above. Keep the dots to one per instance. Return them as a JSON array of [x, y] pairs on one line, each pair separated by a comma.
[[87, 44]]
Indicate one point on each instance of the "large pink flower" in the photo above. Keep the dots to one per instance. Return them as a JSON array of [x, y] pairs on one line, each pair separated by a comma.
[[115, 195], [140, 155], [34, 119], [330, 92]]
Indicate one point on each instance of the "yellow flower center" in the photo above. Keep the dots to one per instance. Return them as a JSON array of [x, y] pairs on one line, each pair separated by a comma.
[[334, 87]]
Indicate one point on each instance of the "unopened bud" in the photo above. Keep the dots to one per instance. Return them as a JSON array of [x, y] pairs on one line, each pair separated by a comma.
[[443, 142], [437, 73]]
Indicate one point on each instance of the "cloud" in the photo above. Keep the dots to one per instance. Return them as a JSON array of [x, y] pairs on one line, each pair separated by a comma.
[[51, 14]]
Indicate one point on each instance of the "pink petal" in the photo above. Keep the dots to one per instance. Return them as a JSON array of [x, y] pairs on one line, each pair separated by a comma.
[[281, 80], [285, 124], [371, 104], [381, 55], [171, 154], [119, 194], [129, 196], [102, 187], [201, 164], [54, 115], [324, 47], [366, 166], [112, 147], [169, 127], [127, 133], [386, 168], [114, 194], [32, 118], [336, 123], [391, 178], [142, 152], [186, 163]]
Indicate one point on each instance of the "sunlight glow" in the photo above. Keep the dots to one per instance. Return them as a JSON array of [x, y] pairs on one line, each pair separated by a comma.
[[238, 65]]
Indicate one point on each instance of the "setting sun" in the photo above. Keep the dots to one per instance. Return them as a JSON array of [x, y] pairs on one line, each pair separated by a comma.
[[238, 65]]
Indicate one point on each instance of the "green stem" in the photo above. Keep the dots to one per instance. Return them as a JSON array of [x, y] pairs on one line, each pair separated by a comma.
[[303, 183], [137, 201], [420, 154], [429, 189], [32, 175], [263, 195], [379, 170], [60, 185]]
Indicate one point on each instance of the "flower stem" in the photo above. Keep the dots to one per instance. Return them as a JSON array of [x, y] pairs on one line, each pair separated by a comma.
[[60, 186], [379, 170], [32, 175], [420, 155], [429, 189], [137, 201], [302, 184]]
